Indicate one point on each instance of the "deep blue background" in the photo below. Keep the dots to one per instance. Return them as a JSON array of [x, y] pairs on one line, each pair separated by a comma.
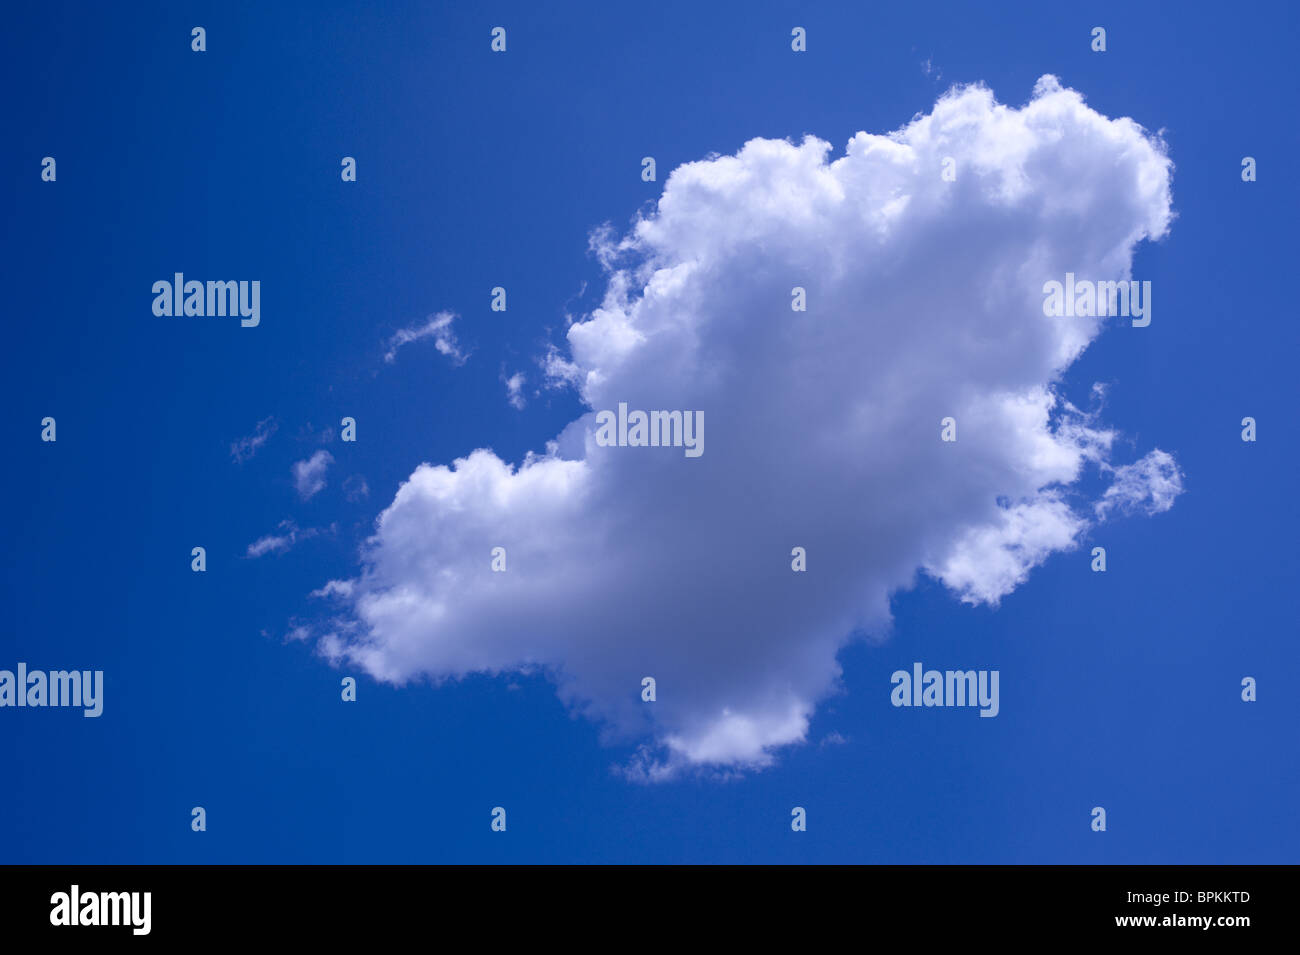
[[477, 170]]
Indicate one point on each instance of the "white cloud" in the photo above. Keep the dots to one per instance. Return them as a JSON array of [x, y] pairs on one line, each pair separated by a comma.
[[990, 559], [558, 370], [244, 449], [355, 487], [515, 390], [1149, 485], [334, 588], [924, 301], [437, 327], [271, 543], [309, 474], [287, 535]]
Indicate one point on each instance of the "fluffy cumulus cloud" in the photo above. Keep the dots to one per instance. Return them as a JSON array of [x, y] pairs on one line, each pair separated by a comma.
[[924, 301]]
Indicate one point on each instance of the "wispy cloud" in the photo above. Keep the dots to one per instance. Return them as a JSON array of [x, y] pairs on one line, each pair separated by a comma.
[[287, 535], [309, 474], [1149, 486], [334, 588], [437, 327], [515, 390], [243, 449], [355, 488]]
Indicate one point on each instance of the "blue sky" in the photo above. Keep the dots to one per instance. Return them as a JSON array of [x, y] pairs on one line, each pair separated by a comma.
[[477, 170]]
